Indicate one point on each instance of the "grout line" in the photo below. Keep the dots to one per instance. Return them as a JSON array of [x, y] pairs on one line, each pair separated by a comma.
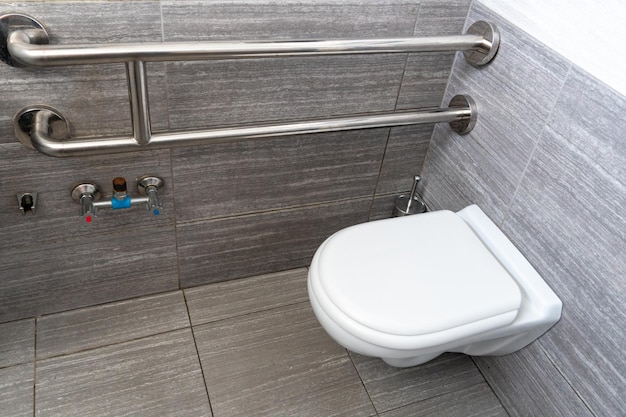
[[362, 382], [35, 370], [92, 348], [540, 138], [162, 21], [263, 310], [490, 387], [556, 367], [406, 58], [380, 171], [275, 210], [195, 344], [176, 237], [440, 395]]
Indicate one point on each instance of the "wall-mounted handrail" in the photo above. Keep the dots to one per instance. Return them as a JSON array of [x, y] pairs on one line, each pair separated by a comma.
[[24, 42], [35, 128], [27, 39], [27, 54]]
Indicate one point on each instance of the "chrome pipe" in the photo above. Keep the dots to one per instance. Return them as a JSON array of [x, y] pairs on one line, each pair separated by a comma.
[[27, 54], [234, 134], [27, 45], [102, 204], [139, 103], [34, 128]]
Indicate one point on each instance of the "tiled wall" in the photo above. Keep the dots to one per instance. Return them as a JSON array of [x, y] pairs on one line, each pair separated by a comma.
[[231, 210], [547, 162]]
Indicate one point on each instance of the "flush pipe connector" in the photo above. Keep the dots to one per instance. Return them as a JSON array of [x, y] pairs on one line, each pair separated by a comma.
[[88, 194]]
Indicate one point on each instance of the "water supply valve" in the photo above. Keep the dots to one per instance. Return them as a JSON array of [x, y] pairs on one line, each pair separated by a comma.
[[87, 194], [149, 187]]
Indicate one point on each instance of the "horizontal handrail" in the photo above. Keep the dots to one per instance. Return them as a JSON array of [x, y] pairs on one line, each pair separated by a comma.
[[27, 45], [25, 53], [35, 128], [24, 42]]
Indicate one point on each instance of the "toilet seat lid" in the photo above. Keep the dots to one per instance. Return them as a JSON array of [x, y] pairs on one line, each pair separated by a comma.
[[415, 275]]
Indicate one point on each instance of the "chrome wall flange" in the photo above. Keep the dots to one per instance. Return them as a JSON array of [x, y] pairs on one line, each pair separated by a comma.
[[58, 126], [86, 188], [483, 56], [466, 124], [34, 29], [147, 181]]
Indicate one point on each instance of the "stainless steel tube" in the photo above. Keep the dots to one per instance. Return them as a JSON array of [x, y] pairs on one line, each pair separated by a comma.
[[139, 103], [27, 54], [27, 41], [38, 134]]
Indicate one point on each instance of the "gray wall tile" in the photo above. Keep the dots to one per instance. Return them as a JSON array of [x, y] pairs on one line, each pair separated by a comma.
[[252, 176], [93, 99], [526, 79], [223, 300], [382, 207], [425, 78], [54, 261], [16, 390], [157, 375], [475, 401], [236, 247], [573, 229], [286, 19], [390, 387], [436, 18], [57, 217], [188, 95], [548, 168], [63, 275], [278, 363], [404, 155], [426, 74], [279, 89], [93, 327], [17, 342], [215, 93]]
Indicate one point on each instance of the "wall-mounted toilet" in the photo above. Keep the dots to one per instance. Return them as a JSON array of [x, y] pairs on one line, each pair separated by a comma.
[[410, 288]]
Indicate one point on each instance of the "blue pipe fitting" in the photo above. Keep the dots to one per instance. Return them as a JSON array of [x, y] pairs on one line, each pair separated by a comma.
[[120, 203]]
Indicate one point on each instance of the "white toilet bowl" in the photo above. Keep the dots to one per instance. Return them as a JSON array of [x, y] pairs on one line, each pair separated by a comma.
[[410, 288]]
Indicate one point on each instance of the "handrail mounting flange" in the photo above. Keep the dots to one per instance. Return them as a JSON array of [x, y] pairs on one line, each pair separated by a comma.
[[10, 22]]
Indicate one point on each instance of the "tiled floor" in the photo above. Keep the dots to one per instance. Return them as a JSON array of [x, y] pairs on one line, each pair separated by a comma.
[[241, 348]]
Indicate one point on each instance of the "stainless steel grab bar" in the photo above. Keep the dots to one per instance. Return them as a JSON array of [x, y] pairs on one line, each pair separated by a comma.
[[24, 42], [35, 127]]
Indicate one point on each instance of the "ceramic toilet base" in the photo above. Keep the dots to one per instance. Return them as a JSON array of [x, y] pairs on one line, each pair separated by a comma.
[[407, 362]]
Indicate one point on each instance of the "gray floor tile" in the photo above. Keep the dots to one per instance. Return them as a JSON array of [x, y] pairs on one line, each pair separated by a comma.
[[391, 387], [475, 401], [17, 342], [278, 363], [528, 384], [107, 324], [155, 376], [16, 390], [235, 298]]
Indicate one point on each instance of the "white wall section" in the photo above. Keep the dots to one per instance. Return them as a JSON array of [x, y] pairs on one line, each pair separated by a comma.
[[589, 33]]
